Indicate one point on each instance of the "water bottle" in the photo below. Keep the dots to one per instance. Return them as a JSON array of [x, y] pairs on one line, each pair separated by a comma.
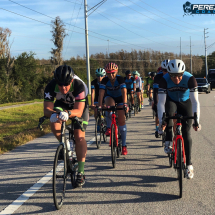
[[68, 147]]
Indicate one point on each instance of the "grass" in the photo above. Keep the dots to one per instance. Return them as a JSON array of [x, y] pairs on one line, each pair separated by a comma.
[[17, 103], [19, 125]]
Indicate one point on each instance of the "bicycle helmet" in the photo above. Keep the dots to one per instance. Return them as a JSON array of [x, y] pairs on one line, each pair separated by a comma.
[[135, 72], [138, 74], [111, 68], [165, 63], [176, 66], [153, 74], [149, 74], [100, 72], [63, 75], [159, 69], [128, 72]]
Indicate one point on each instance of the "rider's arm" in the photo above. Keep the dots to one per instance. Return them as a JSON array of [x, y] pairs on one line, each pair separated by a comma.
[[102, 88], [101, 96], [192, 84], [155, 90], [48, 108], [162, 93], [124, 95], [92, 96], [78, 109]]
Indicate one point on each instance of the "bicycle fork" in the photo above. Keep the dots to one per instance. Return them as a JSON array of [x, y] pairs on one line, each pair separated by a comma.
[[175, 143], [115, 128]]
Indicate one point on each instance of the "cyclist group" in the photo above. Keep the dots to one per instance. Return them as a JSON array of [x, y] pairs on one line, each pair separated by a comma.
[[172, 89]]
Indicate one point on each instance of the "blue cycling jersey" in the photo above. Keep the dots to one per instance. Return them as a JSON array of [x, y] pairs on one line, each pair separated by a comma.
[[113, 90], [129, 83], [178, 92]]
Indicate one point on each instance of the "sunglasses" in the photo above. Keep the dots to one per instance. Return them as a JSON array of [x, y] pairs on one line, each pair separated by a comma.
[[99, 75], [61, 85], [176, 75]]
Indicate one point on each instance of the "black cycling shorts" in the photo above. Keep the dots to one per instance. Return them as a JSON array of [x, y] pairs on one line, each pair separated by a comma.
[[85, 115], [118, 100], [138, 90], [130, 91]]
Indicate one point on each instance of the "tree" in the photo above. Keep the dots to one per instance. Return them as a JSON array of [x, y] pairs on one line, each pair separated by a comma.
[[58, 35], [7, 61]]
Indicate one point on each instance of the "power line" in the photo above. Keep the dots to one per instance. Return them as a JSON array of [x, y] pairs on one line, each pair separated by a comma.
[[152, 18], [161, 16], [169, 15]]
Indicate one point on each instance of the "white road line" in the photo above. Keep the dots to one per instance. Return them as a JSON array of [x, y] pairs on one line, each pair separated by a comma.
[[10, 209]]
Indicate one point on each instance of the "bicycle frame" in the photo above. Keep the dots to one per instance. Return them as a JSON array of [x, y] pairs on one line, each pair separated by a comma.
[[175, 140], [113, 122]]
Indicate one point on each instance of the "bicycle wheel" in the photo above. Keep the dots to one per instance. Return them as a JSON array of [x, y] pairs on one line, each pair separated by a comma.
[[59, 178], [98, 139], [103, 128], [119, 147], [179, 166], [113, 146], [74, 167]]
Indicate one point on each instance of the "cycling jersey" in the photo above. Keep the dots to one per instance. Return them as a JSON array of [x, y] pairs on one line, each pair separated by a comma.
[[156, 86], [78, 92], [138, 83], [187, 88], [150, 82], [130, 83], [113, 90], [95, 85]]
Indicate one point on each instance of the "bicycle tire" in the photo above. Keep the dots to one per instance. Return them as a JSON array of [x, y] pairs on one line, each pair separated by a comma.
[[119, 149], [96, 133], [113, 146], [103, 127], [179, 166], [59, 178]]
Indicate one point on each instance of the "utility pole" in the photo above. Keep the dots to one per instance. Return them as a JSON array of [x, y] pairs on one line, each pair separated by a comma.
[[190, 58], [87, 48], [108, 48], [180, 48], [86, 40], [206, 62]]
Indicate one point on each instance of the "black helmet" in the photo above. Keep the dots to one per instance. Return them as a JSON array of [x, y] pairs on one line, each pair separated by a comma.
[[63, 75], [128, 72], [153, 74]]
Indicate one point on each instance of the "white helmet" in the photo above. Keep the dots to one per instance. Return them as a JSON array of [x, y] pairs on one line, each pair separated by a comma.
[[176, 66], [165, 63]]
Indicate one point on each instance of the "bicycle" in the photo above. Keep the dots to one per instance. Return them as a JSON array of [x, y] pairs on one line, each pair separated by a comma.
[[101, 121], [136, 105], [115, 136], [129, 106], [64, 165], [178, 151]]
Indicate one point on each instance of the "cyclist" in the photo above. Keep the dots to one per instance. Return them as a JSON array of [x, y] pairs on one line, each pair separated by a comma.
[[161, 71], [100, 74], [138, 87], [150, 82], [70, 93], [115, 93], [142, 92], [130, 85], [178, 91]]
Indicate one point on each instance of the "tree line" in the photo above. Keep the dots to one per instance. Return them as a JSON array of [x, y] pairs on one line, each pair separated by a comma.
[[24, 78]]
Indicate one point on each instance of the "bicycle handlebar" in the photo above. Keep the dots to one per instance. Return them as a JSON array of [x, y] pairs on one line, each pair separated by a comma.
[[177, 116], [76, 119]]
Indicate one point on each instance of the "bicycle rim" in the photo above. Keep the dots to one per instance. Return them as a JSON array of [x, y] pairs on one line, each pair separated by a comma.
[[113, 146], [179, 166], [59, 179], [100, 135]]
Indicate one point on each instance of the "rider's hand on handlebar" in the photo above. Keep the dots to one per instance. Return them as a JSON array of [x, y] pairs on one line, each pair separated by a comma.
[[125, 107], [197, 128], [99, 109], [63, 116], [54, 118]]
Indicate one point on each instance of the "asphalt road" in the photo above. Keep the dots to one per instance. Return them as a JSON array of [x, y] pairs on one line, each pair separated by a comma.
[[141, 183]]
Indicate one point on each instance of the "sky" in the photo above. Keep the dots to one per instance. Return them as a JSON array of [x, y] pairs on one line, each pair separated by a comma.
[[115, 25]]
